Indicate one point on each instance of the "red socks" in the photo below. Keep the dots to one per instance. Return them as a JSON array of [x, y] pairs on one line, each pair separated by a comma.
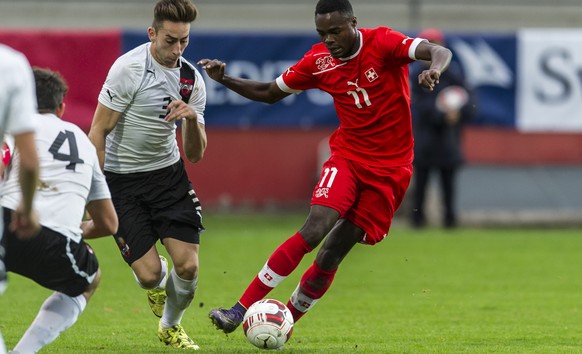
[[313, 285], [281, 263]]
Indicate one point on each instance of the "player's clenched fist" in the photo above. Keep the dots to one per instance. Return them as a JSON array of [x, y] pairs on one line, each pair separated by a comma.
[[429, 78]]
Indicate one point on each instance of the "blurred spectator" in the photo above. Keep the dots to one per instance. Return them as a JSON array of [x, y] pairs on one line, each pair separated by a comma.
[[437, 118]]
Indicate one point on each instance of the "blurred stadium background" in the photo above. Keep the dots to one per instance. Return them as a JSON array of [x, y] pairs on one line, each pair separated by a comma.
[[523, 57]]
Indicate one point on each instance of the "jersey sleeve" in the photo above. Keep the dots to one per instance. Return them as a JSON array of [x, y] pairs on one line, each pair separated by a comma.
[[22, 103], [298, 77], [400, 47], [198, 97], [121, 84]]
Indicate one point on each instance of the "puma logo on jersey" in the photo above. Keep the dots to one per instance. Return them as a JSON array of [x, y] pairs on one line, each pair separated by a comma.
[[353, 83], [405, 39], [151, 71], [110, 95]]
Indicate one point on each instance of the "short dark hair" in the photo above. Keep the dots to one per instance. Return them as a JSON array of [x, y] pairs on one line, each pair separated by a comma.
[[51, 89], [327, 6], [174, 11]]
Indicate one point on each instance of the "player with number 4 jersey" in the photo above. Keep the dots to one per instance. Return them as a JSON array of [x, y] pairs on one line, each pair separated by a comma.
[[364, 181], [69, 176], [70, 183]]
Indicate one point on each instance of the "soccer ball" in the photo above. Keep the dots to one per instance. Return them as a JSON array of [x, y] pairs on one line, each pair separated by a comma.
[[268, 324]]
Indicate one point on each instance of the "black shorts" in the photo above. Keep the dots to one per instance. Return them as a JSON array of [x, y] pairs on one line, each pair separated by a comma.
[[152, 206], [2, 253], [50, 259]]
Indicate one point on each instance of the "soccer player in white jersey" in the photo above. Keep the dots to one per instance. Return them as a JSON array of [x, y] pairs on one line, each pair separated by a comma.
[[70, 180], [134, 130], [17, 106]]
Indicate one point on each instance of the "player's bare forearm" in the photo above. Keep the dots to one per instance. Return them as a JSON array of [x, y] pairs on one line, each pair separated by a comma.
[[91, 231], [253, 90], [193, 140], [29, 169], [439, 57], [99, 141], [104, 120], [103, 219], [267, 92]]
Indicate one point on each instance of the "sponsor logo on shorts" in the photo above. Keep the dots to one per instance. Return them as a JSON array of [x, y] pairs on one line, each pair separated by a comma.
[[123, 247], [321, 192]]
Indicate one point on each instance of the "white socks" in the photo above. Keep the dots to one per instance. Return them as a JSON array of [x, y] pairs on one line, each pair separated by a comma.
[[2, 346], [56, 314], [180, 294]]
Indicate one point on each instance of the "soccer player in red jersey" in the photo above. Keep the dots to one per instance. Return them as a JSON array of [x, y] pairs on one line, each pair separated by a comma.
[[364, 181]]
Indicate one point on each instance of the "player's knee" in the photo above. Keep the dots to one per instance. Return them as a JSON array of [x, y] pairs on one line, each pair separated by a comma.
[[187, 270], [313, 233], [149, 280], [312, 238], [319, 222]]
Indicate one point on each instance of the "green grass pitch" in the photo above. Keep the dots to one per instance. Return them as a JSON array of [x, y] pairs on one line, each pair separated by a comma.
[[429, 291]]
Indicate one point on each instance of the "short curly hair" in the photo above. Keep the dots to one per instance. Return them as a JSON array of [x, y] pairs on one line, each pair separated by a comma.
[[327, 6]]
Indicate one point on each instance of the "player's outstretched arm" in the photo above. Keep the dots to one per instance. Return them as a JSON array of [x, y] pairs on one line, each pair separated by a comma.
[[268, 92], [103, 220], [440, 58]]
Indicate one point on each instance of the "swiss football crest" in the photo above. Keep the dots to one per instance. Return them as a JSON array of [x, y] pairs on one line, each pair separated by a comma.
[[186, 86], [324, 63], [321, 192], [371, 74]]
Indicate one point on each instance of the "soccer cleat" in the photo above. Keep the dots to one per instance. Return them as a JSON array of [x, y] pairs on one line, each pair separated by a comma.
[[176, 337], [157, 296], [227, 320]]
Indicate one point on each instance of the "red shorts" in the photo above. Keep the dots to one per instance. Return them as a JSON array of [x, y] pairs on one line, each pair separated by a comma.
[[368, 196]]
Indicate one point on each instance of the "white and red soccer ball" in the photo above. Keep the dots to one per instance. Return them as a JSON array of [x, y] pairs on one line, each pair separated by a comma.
[[268, 324]]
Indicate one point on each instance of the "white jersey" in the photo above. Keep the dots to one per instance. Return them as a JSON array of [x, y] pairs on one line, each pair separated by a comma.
[[141, 88], [17, 93], [70, 176]]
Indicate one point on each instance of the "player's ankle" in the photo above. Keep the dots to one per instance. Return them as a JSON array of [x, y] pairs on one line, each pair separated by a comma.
[[239, 308]]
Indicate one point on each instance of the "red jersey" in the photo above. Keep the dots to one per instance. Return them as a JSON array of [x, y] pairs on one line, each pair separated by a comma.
[[370, 92]]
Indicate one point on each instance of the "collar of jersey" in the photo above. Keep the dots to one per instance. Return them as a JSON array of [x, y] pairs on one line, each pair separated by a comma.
[[357, 51]]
